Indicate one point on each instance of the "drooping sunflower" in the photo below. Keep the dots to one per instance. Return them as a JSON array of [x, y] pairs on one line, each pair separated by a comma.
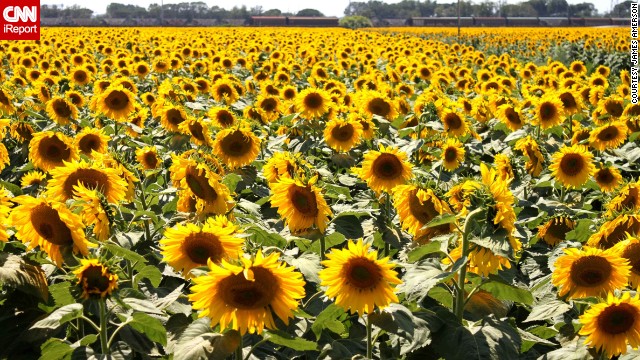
[[609, 136], [615, 230], [417, 207], [571, 101], [454, 123], [93, 208], [452, 154], [92, 175], [95, 279], [572, 165], [61, 110], [358, 280], [116, 102], [91, 139], [628, 198], [188, 246], [384, 169], [607, 178], [554, 230], [612, 325], [590, 272], [342, 135], [530, 148], [630, 249], [148, 157], [49, 225], [49, 149], [300, 204], [312, 103], [21, 131], [236, 147], [245, 297], [211, 196], [548, 112]]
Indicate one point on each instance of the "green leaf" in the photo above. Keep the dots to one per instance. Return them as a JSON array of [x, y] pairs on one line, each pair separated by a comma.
[[581, 232], [197, 342], [349, 226], [337, 192], [327, 319], [15, 189], [149, 272], [283, 339], [55, 349], [422, 276], [508, 292], [575, 350], [264, 238], [548, 310], [117, 250], [441, 220], [309, 266], [149, 326], [59, 317], [442, 295], [422, 251], [398, 320], [61, 293], [231, 180], [529, 340], [23, 275]]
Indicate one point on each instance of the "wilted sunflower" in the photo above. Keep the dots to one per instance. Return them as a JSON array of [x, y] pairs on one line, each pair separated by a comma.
[[608, 178], [49, 149], [236, 147], [116, 102], [96, 279], [416, 208], [530, 148], [312, 103], [572, 165], [628, 198], [222, 117], [92, 175], [148, 157], [609, 136], [300, 204], [611, 325], [548, 112], [502, 163], [384, 169], [245, 297], [358, 280], [188, 246], [454, 123], [590, 272], [21, 131], [33, 177], [342, 135], [91, 139], [61, 110], [452, 154], [555, 229], [49, 225]]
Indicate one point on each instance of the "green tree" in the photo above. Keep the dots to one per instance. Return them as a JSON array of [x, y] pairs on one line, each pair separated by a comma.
[[309, 12], [272, 12], [355, 22]]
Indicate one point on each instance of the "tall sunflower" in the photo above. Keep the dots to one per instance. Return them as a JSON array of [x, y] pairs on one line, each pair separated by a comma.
[[300, 203], [245, 297], [358, 280], [95, 279], [49, 149], [90, 174], [312, 103], [416, 208], [384, 169], [49, 225], [342, 135], [452, 154], [612, 325], [236, 147], [590, 272], [572, 165], [188, 246]]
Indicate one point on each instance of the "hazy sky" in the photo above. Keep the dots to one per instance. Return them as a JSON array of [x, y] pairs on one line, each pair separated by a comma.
[[327, 7]]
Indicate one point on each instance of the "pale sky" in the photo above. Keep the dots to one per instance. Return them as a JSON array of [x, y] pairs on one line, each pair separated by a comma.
[[327, 7]]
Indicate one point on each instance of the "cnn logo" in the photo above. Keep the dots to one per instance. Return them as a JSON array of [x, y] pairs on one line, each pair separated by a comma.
[[20, 20]]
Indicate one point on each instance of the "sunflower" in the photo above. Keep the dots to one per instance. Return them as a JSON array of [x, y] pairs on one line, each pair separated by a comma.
[[61, 110], [342, 135], [116, 102], [376, 103], [236, 147], [6, 102], [572, 165], [608, 136], [224, 90], [502, 202], [416, 208], [211, 196], [49, 225], [32, 178], [49, 149], [511, 116], [590, 272], [188, 246], [612, 106], [358, 280], [555, 229], [384, 169], [283, 165], [198, 130], [452, 154], [628, 198], [91, 139], [502, 163], [483, 261], [148, 157], [615, 230], [172, 116], [245, 297], [96, 279], [454, 123], [630, 249], [607, 178], [223, 117], [571, 101], [93, 208], [612, 325], [92, 175], [5, 209], [269, 107], [300, 203], [4, 157], [80, 76], [21, 131], [312, 103]]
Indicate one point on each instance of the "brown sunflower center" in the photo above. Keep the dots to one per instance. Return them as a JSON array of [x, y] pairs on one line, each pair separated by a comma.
[[547, 111], [568, 101], [572, 164], [378, 106], [54, 150], [89, 143], [453, 121], [4, 99], [80, 76], [238, 292], [224, 90], [90, 178], [609, 133], [75, 99], [617, 319], [387, 166], [289, 94], [512, 116], [269, 105], [614, 108], [224, 118], [47, 223], [202, 246], [174, 116], [313, 101], [631, 200], [236, 144], [150, 160], [342, 132], [199, 185], [619, 233], [94, 280], [304, 200], [632, 253], [604, 176], [558, 230], [362, 273], [590, 271], [117, 100], [196, 130], [61, 108], [450, 154]]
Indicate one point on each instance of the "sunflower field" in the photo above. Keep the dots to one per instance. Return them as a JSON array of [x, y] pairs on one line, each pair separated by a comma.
[[273, 193]]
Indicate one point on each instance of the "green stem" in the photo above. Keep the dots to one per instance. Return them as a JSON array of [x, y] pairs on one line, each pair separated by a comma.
[[143, 202], [104, 344], [93, 325], [369, 342], [323, 247], [239, 350], [113, 336], [253, 347], [439, 175], [134, 285], [81, 328], [460, 296], [562, 194]]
